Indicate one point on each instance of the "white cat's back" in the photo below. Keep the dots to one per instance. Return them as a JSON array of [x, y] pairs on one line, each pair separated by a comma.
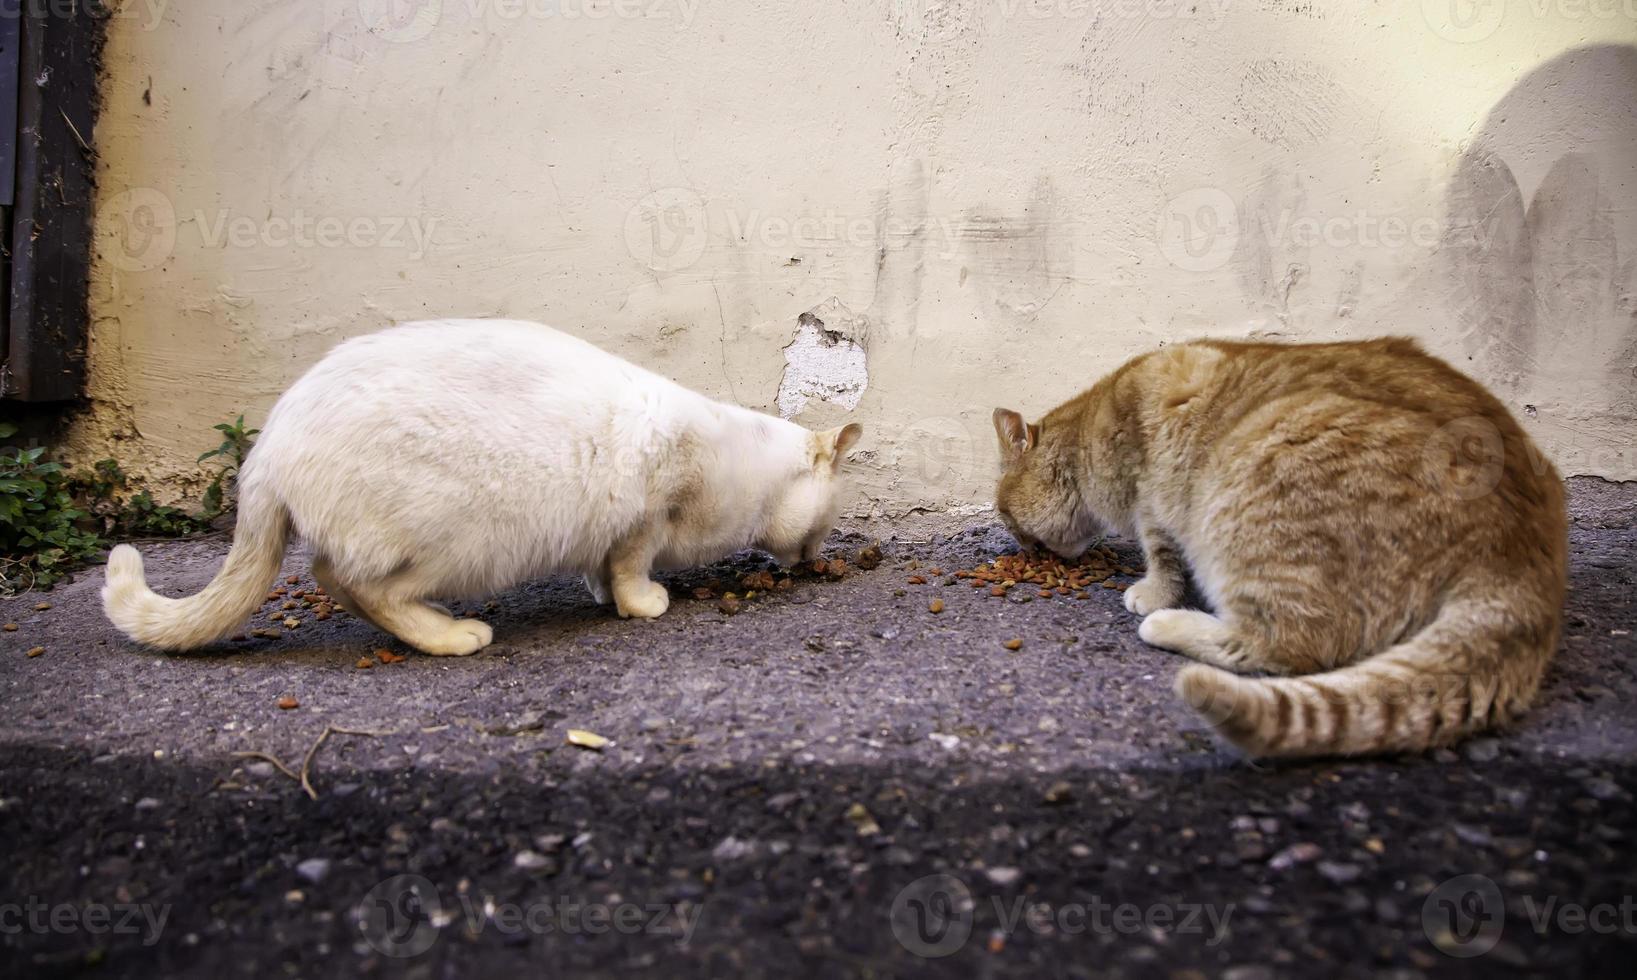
[[402, 441]]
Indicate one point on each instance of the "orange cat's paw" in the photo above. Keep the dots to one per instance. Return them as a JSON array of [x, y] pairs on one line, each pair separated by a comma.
[[1149, 595]]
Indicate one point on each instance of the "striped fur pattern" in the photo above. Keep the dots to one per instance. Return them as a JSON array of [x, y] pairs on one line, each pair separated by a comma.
[[1383, 548]]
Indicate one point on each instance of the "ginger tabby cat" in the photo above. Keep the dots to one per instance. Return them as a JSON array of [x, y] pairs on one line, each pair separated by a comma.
[[1365, 521]]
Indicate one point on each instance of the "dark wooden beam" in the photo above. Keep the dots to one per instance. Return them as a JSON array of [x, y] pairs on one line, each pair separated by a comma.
[[50, 228]]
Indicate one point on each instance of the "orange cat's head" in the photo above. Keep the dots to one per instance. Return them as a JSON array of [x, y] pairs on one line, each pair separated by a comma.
[[1038, 497]]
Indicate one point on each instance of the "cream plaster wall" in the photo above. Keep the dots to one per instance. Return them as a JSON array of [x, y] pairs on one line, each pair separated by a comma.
[[983, 201]]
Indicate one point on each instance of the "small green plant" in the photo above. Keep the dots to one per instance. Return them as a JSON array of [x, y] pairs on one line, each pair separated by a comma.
[[106, 495], [41, 530], [236, 443], [52, 521]]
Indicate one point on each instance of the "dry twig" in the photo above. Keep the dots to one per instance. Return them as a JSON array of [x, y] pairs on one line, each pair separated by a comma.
[[304, 776]]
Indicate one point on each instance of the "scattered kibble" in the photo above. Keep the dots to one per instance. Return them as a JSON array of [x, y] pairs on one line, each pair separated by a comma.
[[916, 580], [869, 557], [292, 580], [364, 663], [862, 820], [9, 627], [729, 606], [587, 740], [388, 657], [1051, 576], [290, 622], [288, 703], [1014, 644], [36, 651], [761, 581], [41, 606], [936, 606]]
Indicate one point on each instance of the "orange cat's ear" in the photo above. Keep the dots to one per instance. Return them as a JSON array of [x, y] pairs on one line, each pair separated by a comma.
[[1016, 436], [830, 446]]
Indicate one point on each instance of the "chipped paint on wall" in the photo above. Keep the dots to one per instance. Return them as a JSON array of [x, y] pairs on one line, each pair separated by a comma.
[[822, 363]]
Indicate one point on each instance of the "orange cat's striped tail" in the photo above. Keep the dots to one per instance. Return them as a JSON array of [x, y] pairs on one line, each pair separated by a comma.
[[1473, 668]]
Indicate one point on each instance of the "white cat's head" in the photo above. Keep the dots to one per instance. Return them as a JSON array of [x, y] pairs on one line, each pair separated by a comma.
[[805, 511]]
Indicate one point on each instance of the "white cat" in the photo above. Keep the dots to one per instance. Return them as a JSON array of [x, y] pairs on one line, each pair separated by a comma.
[[458, 457]]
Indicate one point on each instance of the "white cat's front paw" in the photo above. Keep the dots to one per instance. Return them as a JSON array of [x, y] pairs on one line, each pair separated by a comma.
[[644, 600], [463, 638], [1149, 595]]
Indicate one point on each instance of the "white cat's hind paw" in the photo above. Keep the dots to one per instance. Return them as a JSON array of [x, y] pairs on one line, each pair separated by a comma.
[[646, 600], [600, 592]]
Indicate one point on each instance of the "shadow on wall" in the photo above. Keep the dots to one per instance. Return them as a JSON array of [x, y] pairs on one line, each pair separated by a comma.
[[1543, 300]]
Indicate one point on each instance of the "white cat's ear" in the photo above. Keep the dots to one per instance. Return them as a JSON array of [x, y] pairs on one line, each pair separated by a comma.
[[1016, 436], [831, 445]]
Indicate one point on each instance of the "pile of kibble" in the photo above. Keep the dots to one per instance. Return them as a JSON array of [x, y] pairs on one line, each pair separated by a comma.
[[1047, 576], [764, 582]]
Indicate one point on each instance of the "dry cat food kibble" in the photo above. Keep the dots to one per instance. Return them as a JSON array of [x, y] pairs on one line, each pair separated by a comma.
[[1049, 575], [288, 703]]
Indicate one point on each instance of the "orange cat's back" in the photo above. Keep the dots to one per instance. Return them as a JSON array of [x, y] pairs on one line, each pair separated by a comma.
[[1367, 510]]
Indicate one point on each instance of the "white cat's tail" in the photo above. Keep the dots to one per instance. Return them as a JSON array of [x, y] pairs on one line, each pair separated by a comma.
[[259, 538], [1471, 669]]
